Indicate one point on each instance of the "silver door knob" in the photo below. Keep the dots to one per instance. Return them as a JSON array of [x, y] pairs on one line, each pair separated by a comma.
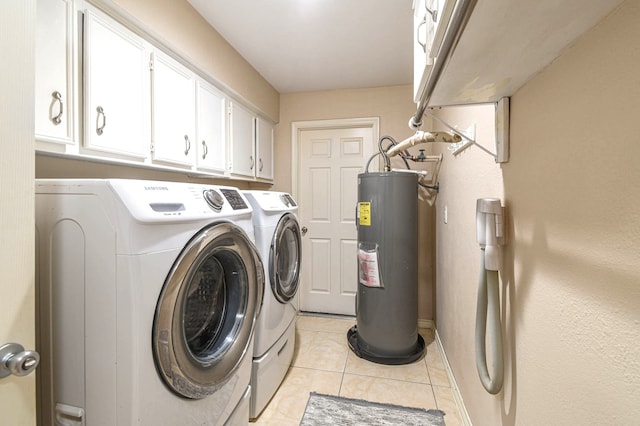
[[15, 360], [304, 230]]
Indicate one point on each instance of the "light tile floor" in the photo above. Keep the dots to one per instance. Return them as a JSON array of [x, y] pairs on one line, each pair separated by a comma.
[[323, 363]]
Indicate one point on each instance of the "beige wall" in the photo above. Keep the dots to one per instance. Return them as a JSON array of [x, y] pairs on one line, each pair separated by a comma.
[[571, 286], [184, 30], [392, 104], [394, 107]]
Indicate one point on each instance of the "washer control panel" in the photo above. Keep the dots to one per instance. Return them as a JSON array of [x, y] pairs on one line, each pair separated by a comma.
[[152, 201]]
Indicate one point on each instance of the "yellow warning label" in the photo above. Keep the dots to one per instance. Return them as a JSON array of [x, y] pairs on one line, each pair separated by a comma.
[[365, 214]]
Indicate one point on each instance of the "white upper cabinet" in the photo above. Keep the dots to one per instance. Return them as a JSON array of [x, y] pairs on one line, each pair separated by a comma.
[[54, 89], [439, 14], [420, 31], [264, 148], [430, 19], [107, 92], [242, 141], [251, 143], [506, 42], [174, 111], [116, 90], [211, 128]]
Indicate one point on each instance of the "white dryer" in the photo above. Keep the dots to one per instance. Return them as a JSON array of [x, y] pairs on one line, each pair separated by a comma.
[[278, 240], [147, 298]]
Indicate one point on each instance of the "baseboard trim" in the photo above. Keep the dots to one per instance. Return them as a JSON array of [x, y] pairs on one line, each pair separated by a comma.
[[423, 323], [456, 392]]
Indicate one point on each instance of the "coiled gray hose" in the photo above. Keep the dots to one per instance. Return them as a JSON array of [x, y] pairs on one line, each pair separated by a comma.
[[489, 300]]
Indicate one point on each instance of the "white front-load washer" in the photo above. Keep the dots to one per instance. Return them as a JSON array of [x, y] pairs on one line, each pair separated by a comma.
[[147, 298], [278, 240]]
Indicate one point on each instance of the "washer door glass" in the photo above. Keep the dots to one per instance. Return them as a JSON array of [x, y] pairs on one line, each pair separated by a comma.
[[284, 258], [206, 311]]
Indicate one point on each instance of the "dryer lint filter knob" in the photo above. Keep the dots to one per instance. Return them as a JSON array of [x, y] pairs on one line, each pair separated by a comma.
[[214, 199]]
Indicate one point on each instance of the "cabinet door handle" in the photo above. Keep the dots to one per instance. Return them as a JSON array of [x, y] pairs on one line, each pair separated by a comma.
[[424, 45], [260, 162], [205, 150], [433, 13], [99, 128], [187, 145], [252, 162], [57, 98]]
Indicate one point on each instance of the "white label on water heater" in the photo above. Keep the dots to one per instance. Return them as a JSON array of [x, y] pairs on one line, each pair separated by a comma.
[[369, 271]]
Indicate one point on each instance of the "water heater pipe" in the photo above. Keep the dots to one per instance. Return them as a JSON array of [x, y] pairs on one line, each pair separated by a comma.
[[423, 137]]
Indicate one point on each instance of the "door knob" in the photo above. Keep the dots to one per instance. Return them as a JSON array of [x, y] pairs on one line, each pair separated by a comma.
[[304, 230], [15, 360]]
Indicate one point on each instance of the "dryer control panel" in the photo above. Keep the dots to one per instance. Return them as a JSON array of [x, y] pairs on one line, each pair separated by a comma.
[[287, 200], [271, 201]]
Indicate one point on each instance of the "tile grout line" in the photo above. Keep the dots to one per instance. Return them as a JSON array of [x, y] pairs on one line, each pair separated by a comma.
[[344, 368], [433, 393], [387, 378]]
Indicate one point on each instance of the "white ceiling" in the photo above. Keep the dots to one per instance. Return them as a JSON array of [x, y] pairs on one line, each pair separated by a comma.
[[309, 45]]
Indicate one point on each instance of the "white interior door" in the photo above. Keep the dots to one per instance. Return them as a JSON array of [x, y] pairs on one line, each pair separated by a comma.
[[330, 160], [17, 224]]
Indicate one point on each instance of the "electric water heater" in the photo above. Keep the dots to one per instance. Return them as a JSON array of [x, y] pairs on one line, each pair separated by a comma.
[[387, 299]]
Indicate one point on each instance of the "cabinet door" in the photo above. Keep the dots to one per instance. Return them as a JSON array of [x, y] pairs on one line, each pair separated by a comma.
[[423, 33], [264, 147], [174, 110], [211, 128], [54, 94], [430, 21], [116, 88], [443, 15], [243, 156]]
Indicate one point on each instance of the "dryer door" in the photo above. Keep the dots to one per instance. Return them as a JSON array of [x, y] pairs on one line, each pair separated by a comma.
[[284, 258], [206, 311]]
